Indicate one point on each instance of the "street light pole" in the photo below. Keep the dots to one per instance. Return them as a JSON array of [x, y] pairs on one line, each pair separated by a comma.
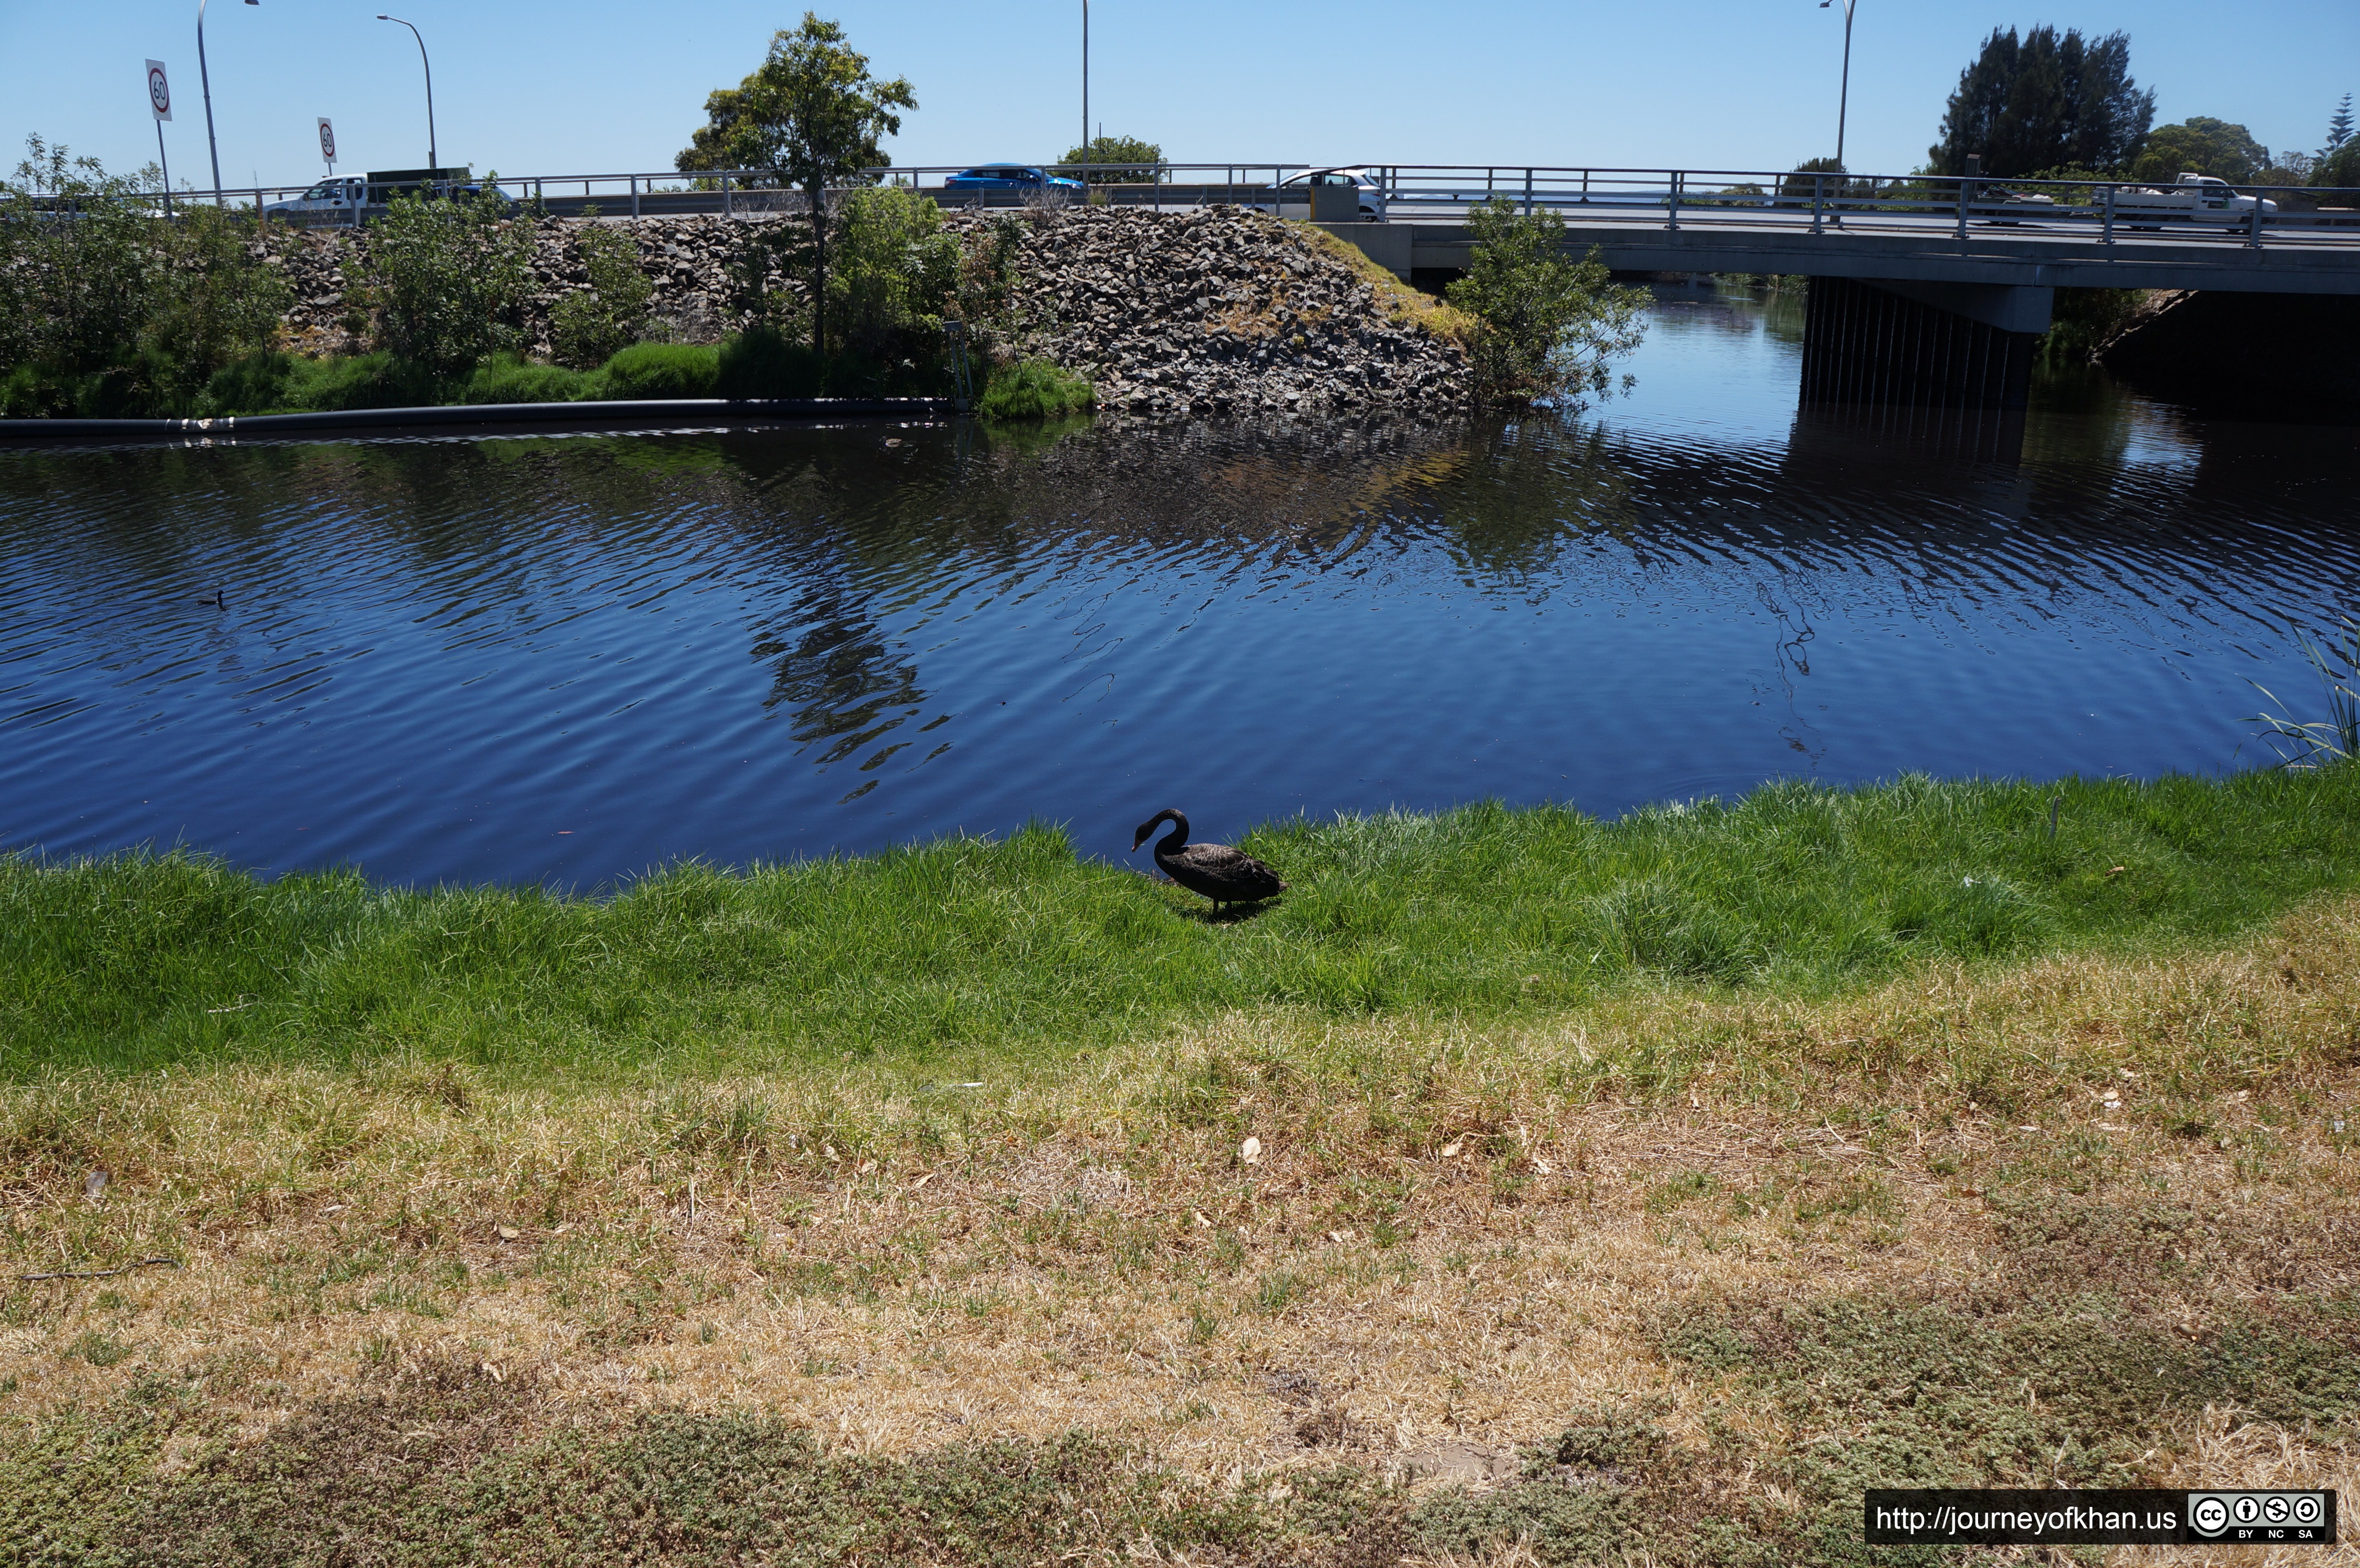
[[1844, 99], [433, 153], [1086, 87], [205, 81]]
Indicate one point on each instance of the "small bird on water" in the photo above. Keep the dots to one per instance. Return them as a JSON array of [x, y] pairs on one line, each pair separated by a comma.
[[1224, 874]]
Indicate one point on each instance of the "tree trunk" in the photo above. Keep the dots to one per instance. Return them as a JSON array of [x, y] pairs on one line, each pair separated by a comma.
[[817, 191]]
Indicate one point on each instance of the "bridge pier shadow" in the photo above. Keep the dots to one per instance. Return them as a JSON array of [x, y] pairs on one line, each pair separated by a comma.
[[1943, 365]]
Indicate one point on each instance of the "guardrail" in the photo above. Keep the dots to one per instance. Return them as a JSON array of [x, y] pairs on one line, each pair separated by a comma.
[[2103, 210]]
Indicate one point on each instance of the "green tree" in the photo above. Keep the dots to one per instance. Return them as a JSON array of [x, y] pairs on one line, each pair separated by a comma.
[[2340, 169], [814, 117], [445, 279], [2043, 102], [1547, 326], [2201, 145], [2339, 128], [1129, 160]]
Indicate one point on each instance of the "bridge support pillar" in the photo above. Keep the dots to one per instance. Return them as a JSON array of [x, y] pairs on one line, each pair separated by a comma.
[[1952, 361]]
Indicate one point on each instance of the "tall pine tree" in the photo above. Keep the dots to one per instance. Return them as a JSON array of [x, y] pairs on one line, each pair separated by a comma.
[[2045, 101], [2339, 128]]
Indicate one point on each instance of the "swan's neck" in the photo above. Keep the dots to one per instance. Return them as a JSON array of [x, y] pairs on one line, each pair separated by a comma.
[[1175, 838]]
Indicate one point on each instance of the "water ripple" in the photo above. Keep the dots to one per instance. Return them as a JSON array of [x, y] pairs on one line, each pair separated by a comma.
[[565, 661]]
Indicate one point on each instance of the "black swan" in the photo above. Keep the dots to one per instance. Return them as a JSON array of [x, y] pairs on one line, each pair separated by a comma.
[[1224, 874]]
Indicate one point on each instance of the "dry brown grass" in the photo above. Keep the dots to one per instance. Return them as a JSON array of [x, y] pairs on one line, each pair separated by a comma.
[[1404, 305], [1264, 1245]]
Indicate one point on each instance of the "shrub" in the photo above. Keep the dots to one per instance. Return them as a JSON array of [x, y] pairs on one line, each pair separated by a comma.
[[1033, 389], [760, 363], [445, 280], [1546, 327], [663, 370], [591, 325], [895, 274], [511, 378], [365, 381], [119, 311], [253, 385]]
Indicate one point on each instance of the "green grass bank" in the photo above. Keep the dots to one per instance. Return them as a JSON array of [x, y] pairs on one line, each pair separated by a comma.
[[940, 957]]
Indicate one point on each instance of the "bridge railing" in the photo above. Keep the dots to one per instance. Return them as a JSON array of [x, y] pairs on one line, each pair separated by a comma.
[[2106, 211], [2099, 208]]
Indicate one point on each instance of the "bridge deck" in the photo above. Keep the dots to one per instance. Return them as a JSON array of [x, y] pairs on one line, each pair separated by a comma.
[[1904, 247]]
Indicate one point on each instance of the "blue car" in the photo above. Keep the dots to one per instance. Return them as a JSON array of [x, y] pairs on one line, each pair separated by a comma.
[[1014, 177]]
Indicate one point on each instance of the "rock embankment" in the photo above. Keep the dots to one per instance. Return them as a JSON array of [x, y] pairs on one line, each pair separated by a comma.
[[1217, 311], [1221, 311], [688, 260]]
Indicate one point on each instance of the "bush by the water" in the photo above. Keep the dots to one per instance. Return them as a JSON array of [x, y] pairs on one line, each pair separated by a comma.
[[762, 362], [1033, 389], [1547, 327], [118, 312], [445, 281], [663, 371], [592, 325]]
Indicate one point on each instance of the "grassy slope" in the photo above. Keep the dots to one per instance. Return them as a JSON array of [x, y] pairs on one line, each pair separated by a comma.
[[1688, 1172], [947, 954]]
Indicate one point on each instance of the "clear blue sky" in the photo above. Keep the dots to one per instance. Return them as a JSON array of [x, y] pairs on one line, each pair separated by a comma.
[[536, 86]]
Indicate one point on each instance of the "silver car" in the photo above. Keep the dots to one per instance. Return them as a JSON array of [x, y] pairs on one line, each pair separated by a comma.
[[1294, 195]]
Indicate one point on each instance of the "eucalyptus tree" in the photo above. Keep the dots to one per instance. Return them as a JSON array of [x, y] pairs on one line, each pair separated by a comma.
[[814, 117]]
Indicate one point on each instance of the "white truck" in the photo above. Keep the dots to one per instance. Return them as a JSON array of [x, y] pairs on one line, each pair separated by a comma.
[[326, 201], [353, 198], [2190, 199]]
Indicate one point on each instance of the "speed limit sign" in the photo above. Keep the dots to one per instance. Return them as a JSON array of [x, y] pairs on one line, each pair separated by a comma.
[[159, 91], [327, 140]]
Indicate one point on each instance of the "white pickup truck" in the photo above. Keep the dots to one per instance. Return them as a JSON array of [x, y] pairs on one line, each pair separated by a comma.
[[2190, 199], [337, 197]]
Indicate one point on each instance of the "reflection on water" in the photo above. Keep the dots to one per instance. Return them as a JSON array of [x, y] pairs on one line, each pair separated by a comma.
[[569, 660]]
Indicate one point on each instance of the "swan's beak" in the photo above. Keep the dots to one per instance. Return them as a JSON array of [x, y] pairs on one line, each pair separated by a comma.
[[1137, 842]]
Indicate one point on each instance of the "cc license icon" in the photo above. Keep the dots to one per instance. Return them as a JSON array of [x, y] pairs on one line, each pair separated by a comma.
[[2306, 1510], [2210, 1516]]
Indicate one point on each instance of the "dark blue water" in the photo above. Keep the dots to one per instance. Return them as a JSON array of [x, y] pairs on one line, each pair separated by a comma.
[[569, 660]]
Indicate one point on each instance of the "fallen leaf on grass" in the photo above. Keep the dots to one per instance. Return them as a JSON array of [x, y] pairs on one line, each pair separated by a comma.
[[1250, 1151]]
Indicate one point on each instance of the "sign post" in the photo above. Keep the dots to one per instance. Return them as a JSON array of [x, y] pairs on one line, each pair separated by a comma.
[[328, 145], [159, 99]]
